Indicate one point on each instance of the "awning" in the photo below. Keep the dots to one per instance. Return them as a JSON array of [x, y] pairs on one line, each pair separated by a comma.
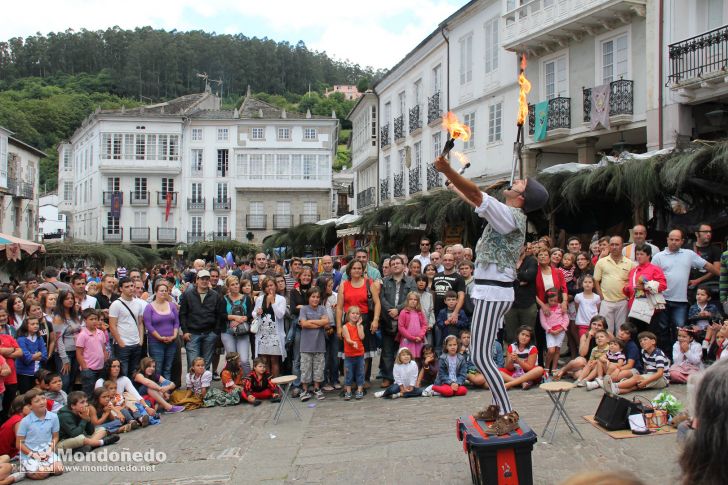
[[13, 245], [349, 231]]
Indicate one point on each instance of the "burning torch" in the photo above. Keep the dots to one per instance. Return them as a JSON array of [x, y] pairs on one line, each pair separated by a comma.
[[457, 131], [524, 88]]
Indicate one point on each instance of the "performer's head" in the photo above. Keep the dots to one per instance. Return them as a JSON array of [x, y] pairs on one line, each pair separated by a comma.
[[527, 194]]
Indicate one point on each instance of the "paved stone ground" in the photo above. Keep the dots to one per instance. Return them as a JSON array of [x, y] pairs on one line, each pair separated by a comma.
[[392, 441]]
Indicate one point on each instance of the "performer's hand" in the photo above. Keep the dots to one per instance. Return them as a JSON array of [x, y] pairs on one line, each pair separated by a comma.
[[441, 164]]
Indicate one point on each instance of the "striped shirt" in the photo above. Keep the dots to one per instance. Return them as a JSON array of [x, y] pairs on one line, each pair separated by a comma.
[[654, 361]]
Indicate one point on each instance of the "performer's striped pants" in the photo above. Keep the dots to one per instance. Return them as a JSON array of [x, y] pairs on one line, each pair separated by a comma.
[[488, 317]]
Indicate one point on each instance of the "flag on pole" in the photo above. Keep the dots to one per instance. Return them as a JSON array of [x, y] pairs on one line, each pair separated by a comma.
[[168, 206], [541, 111]]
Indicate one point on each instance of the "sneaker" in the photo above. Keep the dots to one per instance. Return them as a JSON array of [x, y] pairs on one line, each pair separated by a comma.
[[347, 396], [305, 396], [144, 421], [600, 381], [215, 376], [610, 386], [546, 377], [135, 425], [319, 394], [591, 385], [337, 386], [296, 392], [580, 383], [110, 440], [257, 402], [359, 395], [379, 394], [275, 399], [394, 396], [426, 394], [328, 388], [175, 409]]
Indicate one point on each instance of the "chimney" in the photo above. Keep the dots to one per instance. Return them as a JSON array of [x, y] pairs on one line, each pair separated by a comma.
[[333, 113], [236, 113], [284, 115], [308, 114]]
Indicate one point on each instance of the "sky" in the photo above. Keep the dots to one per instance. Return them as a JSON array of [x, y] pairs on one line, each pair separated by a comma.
[[377, 33]]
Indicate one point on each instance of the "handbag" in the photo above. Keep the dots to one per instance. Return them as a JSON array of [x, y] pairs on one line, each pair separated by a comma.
[[256, 325], [641, 310], [238, 309]]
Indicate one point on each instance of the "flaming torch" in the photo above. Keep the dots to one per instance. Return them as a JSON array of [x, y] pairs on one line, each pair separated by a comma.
[[524, 88], [457, 131]]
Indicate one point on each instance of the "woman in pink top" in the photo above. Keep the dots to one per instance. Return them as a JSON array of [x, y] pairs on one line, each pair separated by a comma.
[[412, 325]]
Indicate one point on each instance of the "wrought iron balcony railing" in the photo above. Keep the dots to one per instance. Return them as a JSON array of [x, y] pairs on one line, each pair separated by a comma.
[[162, 199], [384, 189], [221, 203], [112, 234], [384, 136], [434, 178], [282, 221], [399, 127], [699, 56], [415, 184], [399, 185], [366, 198], [108, 195], [621, 99], [221, 236], [167, 234], [196, 204], [256, 221], [195, 236], [434, 110], [139, 234], [559, 114], [19, 188], [415, 122], [139, 197]]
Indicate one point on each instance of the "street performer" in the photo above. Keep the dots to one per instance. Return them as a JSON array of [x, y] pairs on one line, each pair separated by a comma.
[[496, 254]]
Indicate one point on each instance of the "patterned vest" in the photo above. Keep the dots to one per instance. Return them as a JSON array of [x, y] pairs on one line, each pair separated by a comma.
[[502, 249]]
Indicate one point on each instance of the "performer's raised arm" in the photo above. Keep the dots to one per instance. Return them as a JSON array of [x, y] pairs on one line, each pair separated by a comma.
[[466, 189]]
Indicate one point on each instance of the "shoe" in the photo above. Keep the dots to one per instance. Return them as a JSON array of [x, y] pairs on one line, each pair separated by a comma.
[[394, 396], [546, 377], [490, 413], [591, 385], [379, 394], [110, 440], [135, 425], [124, 429], [296, 392], [610, 387], [600, 381], [175, 409], [367, 384], [426, 394], [347, 396], [504, 424], [144, 421], [557, 375], [215, 376], [359, 395], [337, 386], [580, 383], [257, 403], [305, 396], [328, 388], [319, 394], [276, 399]]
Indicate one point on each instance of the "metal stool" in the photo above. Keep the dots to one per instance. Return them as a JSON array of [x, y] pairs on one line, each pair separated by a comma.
[[284, 385], [558, 392]]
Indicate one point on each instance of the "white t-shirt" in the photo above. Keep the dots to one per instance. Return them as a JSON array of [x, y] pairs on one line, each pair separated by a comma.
[[587, 308], [123, 384], [125, 324], [88, 302]]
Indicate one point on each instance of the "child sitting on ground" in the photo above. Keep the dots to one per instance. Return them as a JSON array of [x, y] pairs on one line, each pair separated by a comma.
[[232, 375], [77, 429], [353, 335], [452, 372], [521, 367], [428, 373], [257, 385], [474, 375], [615, 355], [597, 363], [105, 415], [405, 377], [126, 412], [152, 386], [54, 391], [446, 326], [703, 311], [555, 326], [656, 369], [37, 438], [9, 429], [687, 357]]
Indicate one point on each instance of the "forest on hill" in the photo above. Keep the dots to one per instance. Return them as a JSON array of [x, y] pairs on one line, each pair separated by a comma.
[[50, 83]]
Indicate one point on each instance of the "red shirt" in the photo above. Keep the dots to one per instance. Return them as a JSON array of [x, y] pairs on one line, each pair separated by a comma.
[[7, 436], [8, 341], [349, 350], [356, 297]]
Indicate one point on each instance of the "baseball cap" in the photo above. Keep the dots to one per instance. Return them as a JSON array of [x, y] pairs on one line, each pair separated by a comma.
[[203, 273]]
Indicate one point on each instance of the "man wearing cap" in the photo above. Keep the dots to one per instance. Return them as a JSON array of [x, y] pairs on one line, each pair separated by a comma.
[[202, 317], [496, 256]]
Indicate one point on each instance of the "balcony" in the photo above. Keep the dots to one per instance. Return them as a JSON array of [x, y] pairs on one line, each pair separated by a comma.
[[167, 235], [384, 189], [384, 136], [108, 195], [18, 188], [541, 23], [221, 236], [621, 102], [256, 221], [195, 204], [342, 210], [415, 122], [312, 218], [139, 197], [415, 184], [699, 59], [559, 118], [434, 178], [282, 221], [139, 234], [398, 185], [399, 128], [366, 198], [434, 109], [112, 234], [195, 236], [162, 199], [221, 204]]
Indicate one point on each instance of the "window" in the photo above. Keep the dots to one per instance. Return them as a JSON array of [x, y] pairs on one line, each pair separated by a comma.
[[167, 185], [374, 125], [256, 167], [387, 166], [283, 167], [140, 219], [196, 192], [257, 134], [196, 168], [555, 79], [296, 166], [310, 208], [141, 148], [309, 167], [112, 224], [222, 225], [66, 158], [222, 191], [257, 208], [283, 208], [417, 155], [469, 119], [494, 122], [436, 145], [466, 59], [436, 78], [223, 134], [400, 166], [418, 92], [196, 134], [67, 191], [614, 56], [387, 112], [196, 224], [491, 45], [402, 98], [284, 133], [140, 188], [309, 134], [91, 189], [222, 163]]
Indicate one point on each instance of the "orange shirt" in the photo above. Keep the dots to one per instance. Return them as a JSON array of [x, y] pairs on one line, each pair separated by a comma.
[[349, 350], [228, 383]]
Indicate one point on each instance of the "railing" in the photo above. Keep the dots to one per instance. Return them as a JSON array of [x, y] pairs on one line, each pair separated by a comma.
[[167, 234], [434, 110], [399, 127], [415, 123], [139, 197], [108, 195], [366, 198], [384, 136], [282, 221], [18, 188], [195, 236], [312, 218], [399, 185], [621, 99], [415, 184], [139, 234], [112, 234], [221, 236], [221, 204], [559, 114], [700, 55], [434, 178], [384, 189], [256, 221], [162, 199], [195, 204]]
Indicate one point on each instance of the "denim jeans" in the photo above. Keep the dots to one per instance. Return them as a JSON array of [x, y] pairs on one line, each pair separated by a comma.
[[395, 388], [68, 379], [666, 323], [88, 380], [111, 426], [163, 355], [389, 348], [241, 345], [354, 370], [129, 356], [331, 372], [201, 345]]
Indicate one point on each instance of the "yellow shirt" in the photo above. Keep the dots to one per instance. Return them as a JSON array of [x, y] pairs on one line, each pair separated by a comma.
[[612, 277]]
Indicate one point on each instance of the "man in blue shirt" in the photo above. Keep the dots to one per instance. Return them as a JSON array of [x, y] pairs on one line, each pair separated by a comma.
[[38, 438]]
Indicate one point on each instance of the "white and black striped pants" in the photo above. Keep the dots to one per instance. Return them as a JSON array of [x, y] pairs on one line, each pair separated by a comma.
[[488, 318]]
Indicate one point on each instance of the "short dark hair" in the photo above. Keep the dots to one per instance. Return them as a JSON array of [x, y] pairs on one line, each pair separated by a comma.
[[629, 327], [30, 395], [77, 276], [87, 312], [450, 294], [421, 277], [361, 250], [392, 258], [643, 248], [573, 238], [50, 272], [648, 335], [48, 378], [423, 239], [123, 281], [75, 397]]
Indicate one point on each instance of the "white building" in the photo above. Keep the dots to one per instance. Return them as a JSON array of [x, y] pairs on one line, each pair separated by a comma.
[[185, 171], [52, 221], [18, 186]]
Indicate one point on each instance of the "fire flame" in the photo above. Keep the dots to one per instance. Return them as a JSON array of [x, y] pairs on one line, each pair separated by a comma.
[[524, 88], [457, 130], [460, 157]]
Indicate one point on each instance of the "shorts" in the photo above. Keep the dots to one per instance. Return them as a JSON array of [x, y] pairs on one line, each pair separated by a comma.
[[555, 340], [312, 367], [517, 372], [32, 465], [658, 384]]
